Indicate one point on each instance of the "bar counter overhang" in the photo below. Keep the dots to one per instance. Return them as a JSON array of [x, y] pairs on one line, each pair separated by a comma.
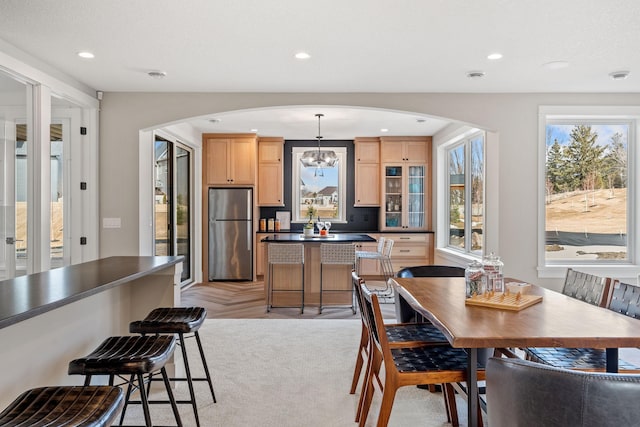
[[49, 318]]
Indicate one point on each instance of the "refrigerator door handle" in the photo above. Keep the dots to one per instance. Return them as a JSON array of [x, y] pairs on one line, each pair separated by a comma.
[[249, 202]]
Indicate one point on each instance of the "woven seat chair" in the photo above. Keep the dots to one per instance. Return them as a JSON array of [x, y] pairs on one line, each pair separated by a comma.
[[625, 299], [404, 312], [337, 254], [405, 366], [285, 254], [587, 287], [92, 406]]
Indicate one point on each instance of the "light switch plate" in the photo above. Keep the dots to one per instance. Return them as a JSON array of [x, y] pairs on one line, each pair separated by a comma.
[[111, 222]]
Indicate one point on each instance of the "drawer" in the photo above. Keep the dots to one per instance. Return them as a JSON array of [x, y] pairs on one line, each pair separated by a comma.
[[406, 238], [408, 251]]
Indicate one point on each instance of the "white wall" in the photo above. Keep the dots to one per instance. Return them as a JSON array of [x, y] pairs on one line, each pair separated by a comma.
[[513, 117]]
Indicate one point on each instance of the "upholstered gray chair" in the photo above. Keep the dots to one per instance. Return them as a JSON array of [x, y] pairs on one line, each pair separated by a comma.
[[521, 393]]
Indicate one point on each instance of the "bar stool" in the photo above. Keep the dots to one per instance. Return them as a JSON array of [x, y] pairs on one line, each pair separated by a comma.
[[134, 356], [179, 321], [377, 255], [92, 406], [284, 254], [337, 254]]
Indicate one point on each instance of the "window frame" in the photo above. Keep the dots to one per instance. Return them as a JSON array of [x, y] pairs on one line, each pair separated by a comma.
[[464, 140], [591, 115], [341, 164]]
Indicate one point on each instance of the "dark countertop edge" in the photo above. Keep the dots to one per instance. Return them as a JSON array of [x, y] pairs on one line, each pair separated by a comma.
[[41, 309], [351, 232], [291, 238]]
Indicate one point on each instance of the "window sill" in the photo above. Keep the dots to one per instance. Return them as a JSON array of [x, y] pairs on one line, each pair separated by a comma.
[[627, 273]]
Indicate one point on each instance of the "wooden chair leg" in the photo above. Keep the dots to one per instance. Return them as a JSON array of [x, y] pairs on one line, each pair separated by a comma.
[[450, 402], [359, 361], [388, 396]]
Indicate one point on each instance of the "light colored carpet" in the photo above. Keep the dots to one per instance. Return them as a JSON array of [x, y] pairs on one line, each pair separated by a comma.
[[288, 372]]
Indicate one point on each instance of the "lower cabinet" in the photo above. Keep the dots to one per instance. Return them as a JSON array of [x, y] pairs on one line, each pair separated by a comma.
[[410, 249], [260, 254]]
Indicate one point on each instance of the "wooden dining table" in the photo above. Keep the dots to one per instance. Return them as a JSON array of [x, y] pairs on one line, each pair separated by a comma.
[[557, 321]]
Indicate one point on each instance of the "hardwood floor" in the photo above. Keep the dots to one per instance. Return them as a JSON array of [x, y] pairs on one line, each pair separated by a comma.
[[245, 300]]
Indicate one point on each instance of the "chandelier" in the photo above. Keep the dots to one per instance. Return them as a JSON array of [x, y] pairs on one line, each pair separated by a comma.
[[319, 158]]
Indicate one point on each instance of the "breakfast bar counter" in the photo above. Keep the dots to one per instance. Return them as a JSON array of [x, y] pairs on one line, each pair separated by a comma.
[[336, 277], [49, 318]]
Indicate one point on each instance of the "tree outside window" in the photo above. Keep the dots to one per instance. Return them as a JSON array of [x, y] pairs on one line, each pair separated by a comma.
[[586, 191]]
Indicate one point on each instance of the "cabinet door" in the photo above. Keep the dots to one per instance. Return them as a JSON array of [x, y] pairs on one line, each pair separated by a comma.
[[368, 267], [392, 151], [393, 188], [367, 151], [217, 161], [270, 151], [367, 191], [270, 185], [260, 261], [415, 151], [242, 161]]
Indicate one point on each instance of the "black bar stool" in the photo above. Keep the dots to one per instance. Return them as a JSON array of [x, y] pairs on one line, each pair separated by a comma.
[[180, 321], [134, 356], [93, 406]]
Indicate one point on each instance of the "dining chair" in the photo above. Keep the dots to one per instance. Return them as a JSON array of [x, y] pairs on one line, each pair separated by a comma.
[[587, 287], [625, 299], [399, 334], [404, 366], [375, 255], [522, 393], [404, 312]]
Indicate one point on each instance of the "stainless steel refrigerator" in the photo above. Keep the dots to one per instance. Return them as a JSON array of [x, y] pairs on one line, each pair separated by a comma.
[[230, 234]]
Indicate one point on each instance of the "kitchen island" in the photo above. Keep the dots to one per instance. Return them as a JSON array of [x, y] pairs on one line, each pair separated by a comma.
[[49, 318], [336, 277]]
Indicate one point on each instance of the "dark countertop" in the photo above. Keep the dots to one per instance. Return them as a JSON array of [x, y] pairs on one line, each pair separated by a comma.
[[332, 238], [352, 232], [28, 296]]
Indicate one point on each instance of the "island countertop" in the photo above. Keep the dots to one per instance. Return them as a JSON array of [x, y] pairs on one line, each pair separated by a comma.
[[331, 238]]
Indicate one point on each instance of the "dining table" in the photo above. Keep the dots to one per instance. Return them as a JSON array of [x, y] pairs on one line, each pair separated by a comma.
[[557, 320]]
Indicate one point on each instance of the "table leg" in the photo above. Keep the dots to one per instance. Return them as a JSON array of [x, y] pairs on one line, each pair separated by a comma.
[[612, 360], [472, 386]]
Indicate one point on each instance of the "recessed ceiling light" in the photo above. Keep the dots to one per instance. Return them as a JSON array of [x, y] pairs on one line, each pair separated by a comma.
[[254, 130], [421, 120], [555, 65], [86, 55], [214, 120], [494, 56], [302, 55], [475, 74], [619, 75], [157, 74], [384, 130]]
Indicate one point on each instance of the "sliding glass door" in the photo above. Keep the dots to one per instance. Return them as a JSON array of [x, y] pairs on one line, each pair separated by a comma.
[[172, 202]]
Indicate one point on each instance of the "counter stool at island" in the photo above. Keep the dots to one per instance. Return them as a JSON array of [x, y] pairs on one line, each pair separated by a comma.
[[283, 254], [337, 254], [132, 356], [184, 322], [92, 406]]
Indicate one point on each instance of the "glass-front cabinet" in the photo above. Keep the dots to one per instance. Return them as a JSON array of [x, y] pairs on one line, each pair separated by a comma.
[[405, 198]]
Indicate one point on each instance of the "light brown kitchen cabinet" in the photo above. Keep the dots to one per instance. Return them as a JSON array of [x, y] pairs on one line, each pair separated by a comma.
[[230, 159], [260, 254], [367, 172], [415, 149], [410, 249], [270, 172]]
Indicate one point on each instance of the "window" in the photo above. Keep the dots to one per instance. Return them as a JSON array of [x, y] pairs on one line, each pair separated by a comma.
[[465, 184], [319, 192], [586, 190]]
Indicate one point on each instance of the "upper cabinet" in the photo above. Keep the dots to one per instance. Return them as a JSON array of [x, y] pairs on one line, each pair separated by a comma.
[[270, 172], [367, 172], [405, 149], [230, 159], [406, 184]]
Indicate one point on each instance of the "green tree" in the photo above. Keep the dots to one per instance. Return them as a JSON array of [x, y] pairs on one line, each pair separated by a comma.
[[556, 167], [584, 158]]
